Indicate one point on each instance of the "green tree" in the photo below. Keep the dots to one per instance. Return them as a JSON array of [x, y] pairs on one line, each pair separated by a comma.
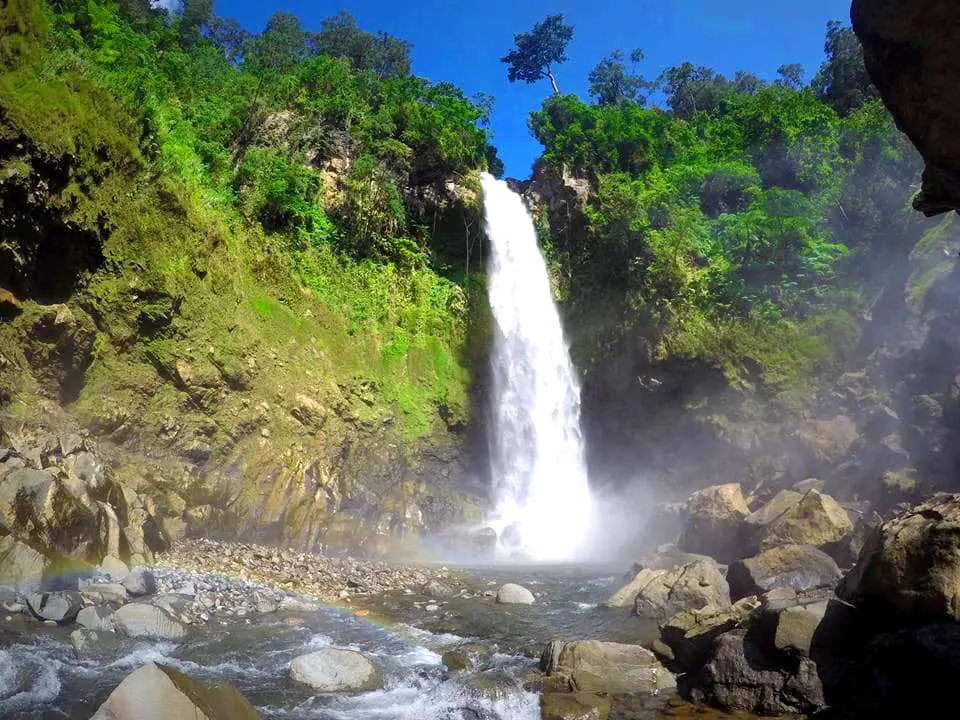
[[536, 52], [791, 76], [229, 37], [194, 17], [842, 81], [280, 47], [610, 82], [382, 54], [692, 89]]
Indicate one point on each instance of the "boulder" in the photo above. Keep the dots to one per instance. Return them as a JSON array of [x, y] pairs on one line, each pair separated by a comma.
[[154, 692], [114, 568], [143, 620], [60, 607], [692, 586], [103, 594], [96, 618], [713, 519], [140, 582], [689, 635], [94, 645], [21, 567], [800, 567], [792, 518], [468, 656], [822, 443], [335, 670], [604, 667], [511, 594], [908, 571], [438, 590], [574, 706], [739, 676]]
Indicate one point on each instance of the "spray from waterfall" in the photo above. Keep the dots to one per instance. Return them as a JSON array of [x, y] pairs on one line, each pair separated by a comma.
[[543, 506]]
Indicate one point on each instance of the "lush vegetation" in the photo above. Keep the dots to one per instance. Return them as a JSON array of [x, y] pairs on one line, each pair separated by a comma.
[[256, 191], [747, 224]]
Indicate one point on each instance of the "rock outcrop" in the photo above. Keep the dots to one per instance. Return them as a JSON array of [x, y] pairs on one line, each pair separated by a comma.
[[713, 522], [661, 593], [603, 667], [799, 567], [912, 56]]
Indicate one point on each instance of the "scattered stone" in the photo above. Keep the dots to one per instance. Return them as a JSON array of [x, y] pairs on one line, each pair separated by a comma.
[[714, 517], [59, 607], [512, 594], [103, 594], [153, 692], [335, 670], [144, 620], [800, 567], [140, 582], [909, 571], [438, 590], [604, 667], [264, 603]]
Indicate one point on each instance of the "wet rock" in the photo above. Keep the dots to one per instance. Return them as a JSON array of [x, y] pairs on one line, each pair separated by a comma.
[[692, 586], [909, 570], [574, 706], [140, 582], [512, 594], [689, 635], [814, 630], [468, 657], [154, 692], [108, 537], [604, 667], [60, 607], [96, 618], [712, 525], [21, 567], [335, 670], [94, 645], [800, 567], [792, 518], [739, 677], [143, 620]]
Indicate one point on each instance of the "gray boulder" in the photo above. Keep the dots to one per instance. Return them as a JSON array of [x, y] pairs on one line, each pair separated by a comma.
[[793, 518], [713, 522], [154, 692], [103, 593], [336, 670], [663, 592], [21, 567], [800, 567], [512, 594], [604, 667], [739, 676], [687, 638], [96, 618], [144, 620], [61, 607], [140, 582]]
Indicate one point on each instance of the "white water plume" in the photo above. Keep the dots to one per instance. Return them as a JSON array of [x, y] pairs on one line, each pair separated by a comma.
[[537, 457]]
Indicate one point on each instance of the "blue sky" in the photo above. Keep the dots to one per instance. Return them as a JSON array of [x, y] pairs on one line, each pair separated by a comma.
[[463, 41]]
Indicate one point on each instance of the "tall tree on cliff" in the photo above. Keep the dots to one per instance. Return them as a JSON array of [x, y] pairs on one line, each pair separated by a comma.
[[536, 52], [843, 82]]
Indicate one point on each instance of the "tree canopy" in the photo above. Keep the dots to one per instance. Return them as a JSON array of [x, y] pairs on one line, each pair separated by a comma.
[[538, 51]]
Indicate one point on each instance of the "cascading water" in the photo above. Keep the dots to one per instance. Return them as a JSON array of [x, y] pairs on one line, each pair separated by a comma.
[[537, 458]]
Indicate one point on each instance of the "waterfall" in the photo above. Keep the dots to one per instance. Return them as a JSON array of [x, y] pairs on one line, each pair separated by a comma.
[[543, 503]]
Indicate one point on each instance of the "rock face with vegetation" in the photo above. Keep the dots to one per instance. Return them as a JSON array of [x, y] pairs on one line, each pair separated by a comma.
[[237, 262]]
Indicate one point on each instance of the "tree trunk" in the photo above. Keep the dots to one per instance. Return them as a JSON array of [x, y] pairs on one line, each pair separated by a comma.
[[556, 90]]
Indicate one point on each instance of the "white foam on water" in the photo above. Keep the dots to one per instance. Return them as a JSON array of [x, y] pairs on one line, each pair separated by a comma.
[[537, 453]]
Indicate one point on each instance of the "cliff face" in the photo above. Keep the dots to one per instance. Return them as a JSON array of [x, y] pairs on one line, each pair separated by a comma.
[[912, 55]]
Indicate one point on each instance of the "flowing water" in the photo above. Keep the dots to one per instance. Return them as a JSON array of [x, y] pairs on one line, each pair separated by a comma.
[[537, 457], [40, 677]]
